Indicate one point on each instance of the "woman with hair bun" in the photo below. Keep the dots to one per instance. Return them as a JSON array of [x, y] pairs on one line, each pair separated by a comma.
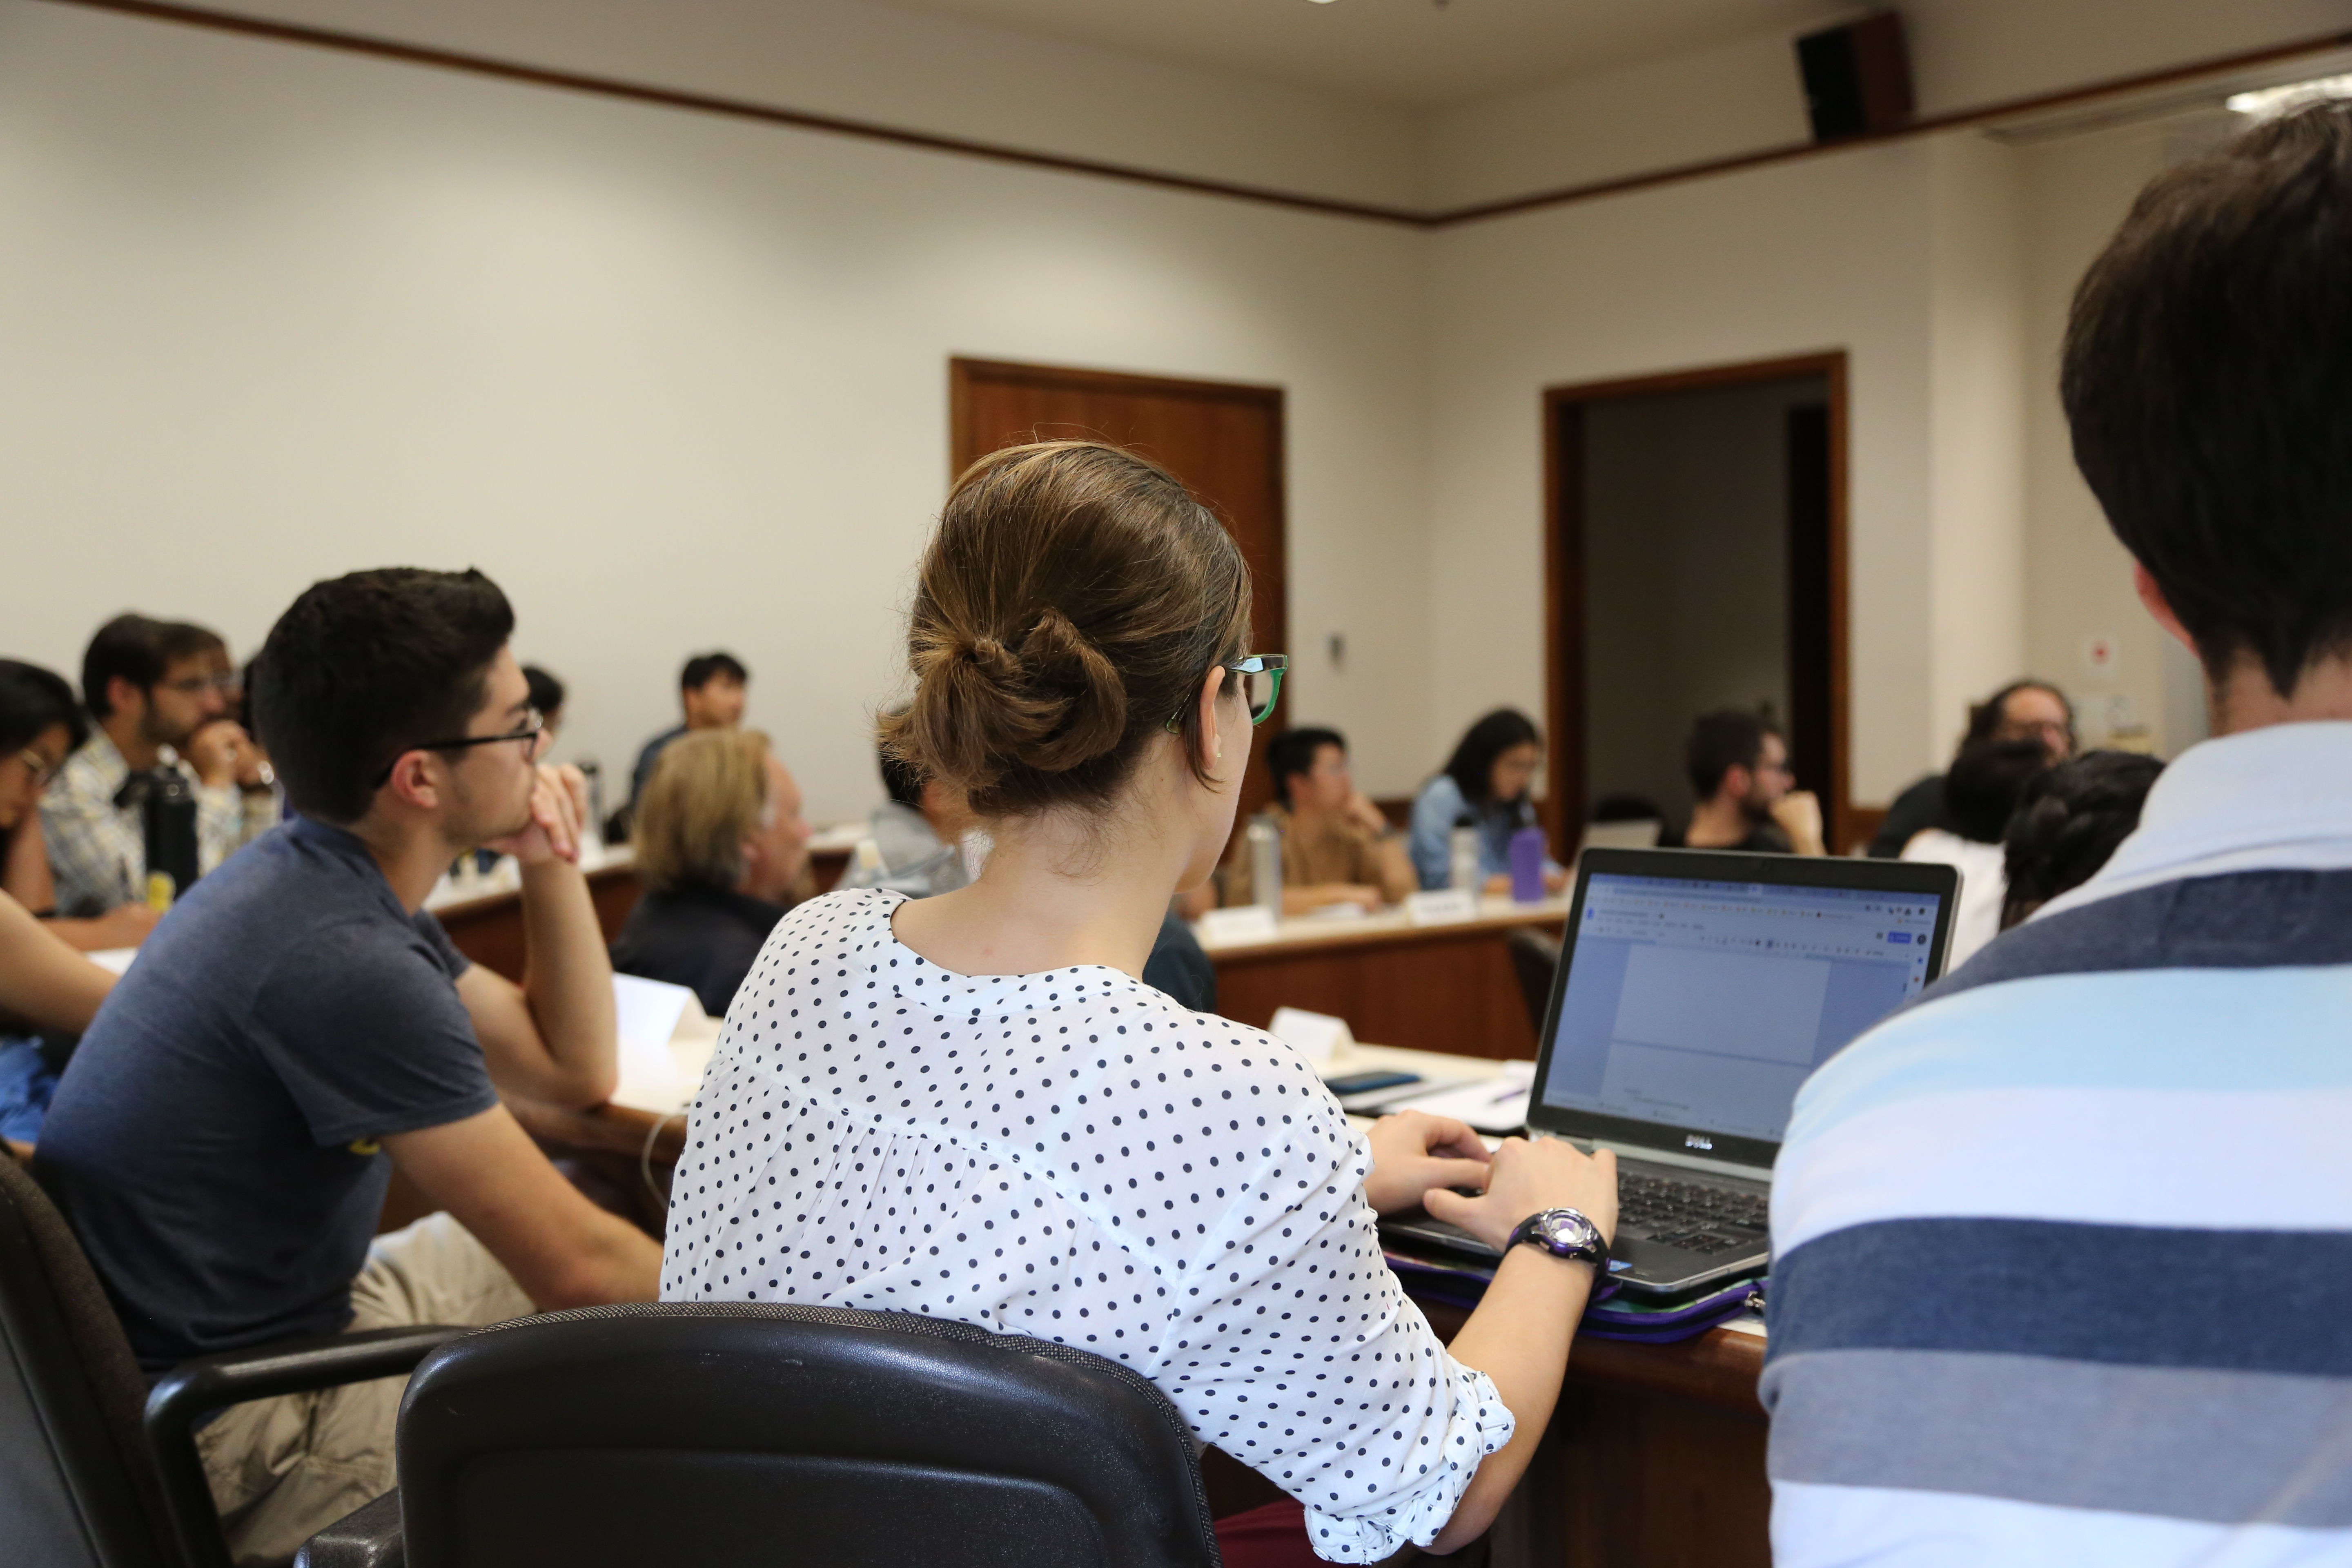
[[1170, 1189]]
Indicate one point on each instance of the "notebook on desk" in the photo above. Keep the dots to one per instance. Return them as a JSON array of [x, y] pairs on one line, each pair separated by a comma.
[[1695, 992]]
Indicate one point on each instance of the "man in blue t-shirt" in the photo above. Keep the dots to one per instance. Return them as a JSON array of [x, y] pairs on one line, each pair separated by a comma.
[[298, 1026]]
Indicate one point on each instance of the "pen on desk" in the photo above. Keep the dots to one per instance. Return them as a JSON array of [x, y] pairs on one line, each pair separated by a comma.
[[1513, 1094]]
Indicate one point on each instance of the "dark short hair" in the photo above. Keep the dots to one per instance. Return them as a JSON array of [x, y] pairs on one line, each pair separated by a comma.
[[32, 701], [1985, 782], [1986, 717], [546, 690], [2068, 823], [364, 667], [1292, 753], [704, 668], [1471, 765], [1722, 741], [2208, 382], [139, 648], [901, 779]]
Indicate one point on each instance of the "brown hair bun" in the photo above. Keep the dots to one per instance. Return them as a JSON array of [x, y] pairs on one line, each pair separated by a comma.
[[1068, 606]]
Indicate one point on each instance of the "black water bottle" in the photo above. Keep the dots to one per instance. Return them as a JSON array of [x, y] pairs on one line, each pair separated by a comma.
[[169, 810]]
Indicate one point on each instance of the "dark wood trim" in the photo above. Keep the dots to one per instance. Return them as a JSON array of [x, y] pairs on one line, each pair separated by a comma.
[[1841, 823], [1564, 569], [963, 372], [466, 64], [1565, 803], [798, 120]]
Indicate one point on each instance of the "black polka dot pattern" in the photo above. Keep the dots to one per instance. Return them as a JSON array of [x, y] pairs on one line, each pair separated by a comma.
[[1073, 1155]]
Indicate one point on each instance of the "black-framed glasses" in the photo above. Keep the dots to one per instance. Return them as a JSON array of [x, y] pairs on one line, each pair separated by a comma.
[[534, 724], [1258, 677]]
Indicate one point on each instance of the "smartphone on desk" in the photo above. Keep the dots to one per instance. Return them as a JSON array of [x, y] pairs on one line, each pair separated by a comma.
[[1365, 1082]]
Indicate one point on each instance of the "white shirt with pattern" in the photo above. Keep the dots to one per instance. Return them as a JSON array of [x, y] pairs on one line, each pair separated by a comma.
[[1073, 1155]]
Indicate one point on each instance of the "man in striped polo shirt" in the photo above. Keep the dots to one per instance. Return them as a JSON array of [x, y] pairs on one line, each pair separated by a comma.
[[2064, 1251]]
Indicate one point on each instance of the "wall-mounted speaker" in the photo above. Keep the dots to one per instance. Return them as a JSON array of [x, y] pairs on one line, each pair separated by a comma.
[[1857, 78]]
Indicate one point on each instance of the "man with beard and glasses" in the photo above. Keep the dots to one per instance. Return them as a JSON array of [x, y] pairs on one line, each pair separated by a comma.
[[160, 692], [222, 1139]]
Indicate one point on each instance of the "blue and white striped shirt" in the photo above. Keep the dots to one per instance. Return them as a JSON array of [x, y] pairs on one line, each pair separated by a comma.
[[2064, 1251]]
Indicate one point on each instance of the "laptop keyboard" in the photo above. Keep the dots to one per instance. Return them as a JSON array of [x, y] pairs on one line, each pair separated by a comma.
[[1693, 1216]]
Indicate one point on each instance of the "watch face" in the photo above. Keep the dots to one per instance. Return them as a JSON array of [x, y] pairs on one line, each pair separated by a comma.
[[1565, 1232]]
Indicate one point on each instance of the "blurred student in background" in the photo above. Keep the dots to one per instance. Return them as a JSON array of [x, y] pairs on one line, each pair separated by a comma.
[[711, 693], [2032, 710], [1488, 784], [1979, 796], [1747, 799], [152, 686], [46, 987], [1337, 847], [916, 836], [2068, 822], [718, 844], [547, 696]]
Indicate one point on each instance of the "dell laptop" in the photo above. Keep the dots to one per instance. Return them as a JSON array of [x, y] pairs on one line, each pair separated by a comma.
[[1695, 992]]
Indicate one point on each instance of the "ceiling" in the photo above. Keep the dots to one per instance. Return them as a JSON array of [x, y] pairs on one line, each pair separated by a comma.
[[1416, 52]]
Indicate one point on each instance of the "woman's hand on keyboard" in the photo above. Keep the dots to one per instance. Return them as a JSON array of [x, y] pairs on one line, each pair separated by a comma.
[[1526, 1178], [1413, 1153]]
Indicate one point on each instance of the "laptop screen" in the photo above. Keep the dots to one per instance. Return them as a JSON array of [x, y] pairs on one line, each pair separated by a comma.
[[1704, 1005]]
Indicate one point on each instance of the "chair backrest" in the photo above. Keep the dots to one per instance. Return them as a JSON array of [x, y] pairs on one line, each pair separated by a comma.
[[729, 1434], [1534, 957], [77, 1487]]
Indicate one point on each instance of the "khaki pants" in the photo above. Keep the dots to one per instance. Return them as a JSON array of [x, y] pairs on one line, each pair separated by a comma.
[[282, 1469]]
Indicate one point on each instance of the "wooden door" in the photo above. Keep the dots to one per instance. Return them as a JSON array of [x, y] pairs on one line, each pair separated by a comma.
[[1222, 439]]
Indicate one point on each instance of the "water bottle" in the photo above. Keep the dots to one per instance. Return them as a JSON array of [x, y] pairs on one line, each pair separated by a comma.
[[593, 830], [1466, 856], [1265, 863], [167, 810], [1528, 865]]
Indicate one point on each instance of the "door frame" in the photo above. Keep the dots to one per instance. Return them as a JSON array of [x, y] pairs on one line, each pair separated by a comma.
[[1564, 576], [963, 371]]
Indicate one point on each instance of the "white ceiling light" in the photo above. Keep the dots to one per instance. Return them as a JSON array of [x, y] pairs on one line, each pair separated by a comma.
[[2264, 103]]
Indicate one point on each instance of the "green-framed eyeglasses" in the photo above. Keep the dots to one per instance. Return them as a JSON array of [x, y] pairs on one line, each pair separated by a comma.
[[1259, 680]]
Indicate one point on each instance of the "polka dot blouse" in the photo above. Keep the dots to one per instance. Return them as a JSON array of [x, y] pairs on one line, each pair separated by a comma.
[[1073, 1155]]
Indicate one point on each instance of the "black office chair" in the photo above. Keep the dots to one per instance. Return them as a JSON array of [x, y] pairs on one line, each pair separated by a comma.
[[736, 1435], [95, 1473], [1534, 958]]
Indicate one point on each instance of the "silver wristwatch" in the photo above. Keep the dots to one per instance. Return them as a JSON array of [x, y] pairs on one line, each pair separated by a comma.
[[1564, 1233]]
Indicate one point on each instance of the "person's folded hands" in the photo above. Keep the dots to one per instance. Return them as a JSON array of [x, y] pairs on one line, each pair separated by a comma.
[[1414, 1152]]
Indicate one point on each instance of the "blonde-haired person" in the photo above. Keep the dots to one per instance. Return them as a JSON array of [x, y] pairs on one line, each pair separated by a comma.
[[1166, 1188], [718, 843]]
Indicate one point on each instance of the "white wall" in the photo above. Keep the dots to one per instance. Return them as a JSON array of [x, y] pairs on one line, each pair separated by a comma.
[[866, 59], [1831, 253], [273, 314], [1976, 459], [1686, 575]]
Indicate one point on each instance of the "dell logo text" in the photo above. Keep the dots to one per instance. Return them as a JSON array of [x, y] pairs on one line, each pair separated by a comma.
[[1697, 1141]]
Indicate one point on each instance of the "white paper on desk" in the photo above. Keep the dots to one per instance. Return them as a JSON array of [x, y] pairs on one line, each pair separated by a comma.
[[1440, 906], [1318, 1036], [1243, 923], [1495, 1104], [117, 959], [648, 1013]]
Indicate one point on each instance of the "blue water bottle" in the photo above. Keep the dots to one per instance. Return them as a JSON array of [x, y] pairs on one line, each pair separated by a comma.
[[1528, 865]]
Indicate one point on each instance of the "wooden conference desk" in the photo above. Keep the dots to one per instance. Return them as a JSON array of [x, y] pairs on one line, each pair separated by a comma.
[[1655, 1457], [1448, 987]]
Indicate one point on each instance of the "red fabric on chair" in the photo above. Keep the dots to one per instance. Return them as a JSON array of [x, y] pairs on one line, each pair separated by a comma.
[[1274, 1536]]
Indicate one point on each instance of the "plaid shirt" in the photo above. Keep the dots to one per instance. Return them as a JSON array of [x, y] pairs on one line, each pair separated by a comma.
[[98, 850]]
